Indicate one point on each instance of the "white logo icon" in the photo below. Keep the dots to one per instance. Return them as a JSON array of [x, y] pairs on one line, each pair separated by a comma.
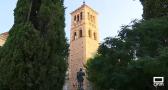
[[158, 81]]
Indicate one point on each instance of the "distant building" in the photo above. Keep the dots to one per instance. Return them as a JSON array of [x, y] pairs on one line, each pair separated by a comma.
[[84, 41], [3, 38]]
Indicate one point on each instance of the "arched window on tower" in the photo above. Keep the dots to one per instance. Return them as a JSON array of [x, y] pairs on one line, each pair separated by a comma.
[[75, 36], [88, 16], [81, 16], [90, 33], [77, 18], [80, 33], [95, 36], [91, 18], [94, 20]]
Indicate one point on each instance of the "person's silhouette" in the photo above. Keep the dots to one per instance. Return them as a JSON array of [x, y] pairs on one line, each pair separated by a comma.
[[80, 78]]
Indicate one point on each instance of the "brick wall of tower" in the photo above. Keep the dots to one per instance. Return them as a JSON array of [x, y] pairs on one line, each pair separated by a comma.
[[76, 61], [82, 48]]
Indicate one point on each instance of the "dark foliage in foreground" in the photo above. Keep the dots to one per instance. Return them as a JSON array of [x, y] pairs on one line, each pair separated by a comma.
[[133, 58], [34, 55]]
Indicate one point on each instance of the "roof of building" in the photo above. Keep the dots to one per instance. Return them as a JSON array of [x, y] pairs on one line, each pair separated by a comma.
[[4, 36], [83, 5]]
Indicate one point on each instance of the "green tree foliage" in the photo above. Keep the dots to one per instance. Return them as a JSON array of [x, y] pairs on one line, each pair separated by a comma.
[[113, 57], [35, 53], [154, 8], [133, 58], [146, 37]]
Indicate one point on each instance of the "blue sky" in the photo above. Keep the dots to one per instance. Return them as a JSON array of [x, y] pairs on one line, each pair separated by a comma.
[[112, 14]]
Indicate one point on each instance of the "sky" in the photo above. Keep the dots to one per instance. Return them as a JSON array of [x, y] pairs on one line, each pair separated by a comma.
[[112, 14]]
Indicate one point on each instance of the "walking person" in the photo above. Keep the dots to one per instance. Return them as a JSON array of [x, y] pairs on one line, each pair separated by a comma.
[[80, 79]]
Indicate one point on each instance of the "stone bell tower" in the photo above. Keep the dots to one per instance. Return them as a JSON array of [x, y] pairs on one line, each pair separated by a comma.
[[84, 41]]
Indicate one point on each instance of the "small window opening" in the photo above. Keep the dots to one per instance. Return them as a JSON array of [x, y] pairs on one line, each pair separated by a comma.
[[75, 36], [88, 16], [95, 36], [81, 15], [90, 33], [80, 33], [77, 17]]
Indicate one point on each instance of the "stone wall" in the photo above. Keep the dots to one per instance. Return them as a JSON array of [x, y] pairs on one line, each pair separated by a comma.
[[3, 38]]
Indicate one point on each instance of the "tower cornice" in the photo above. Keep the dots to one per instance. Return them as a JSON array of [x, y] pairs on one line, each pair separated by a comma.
[[82, 6]]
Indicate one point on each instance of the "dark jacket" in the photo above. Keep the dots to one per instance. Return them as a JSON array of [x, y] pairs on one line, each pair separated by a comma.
[[80, 75]]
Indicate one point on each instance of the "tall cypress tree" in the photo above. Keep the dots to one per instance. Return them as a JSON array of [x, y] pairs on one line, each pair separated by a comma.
[[34, 55]]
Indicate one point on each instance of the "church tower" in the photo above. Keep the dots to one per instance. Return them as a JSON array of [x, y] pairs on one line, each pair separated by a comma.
[[84, 41]]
